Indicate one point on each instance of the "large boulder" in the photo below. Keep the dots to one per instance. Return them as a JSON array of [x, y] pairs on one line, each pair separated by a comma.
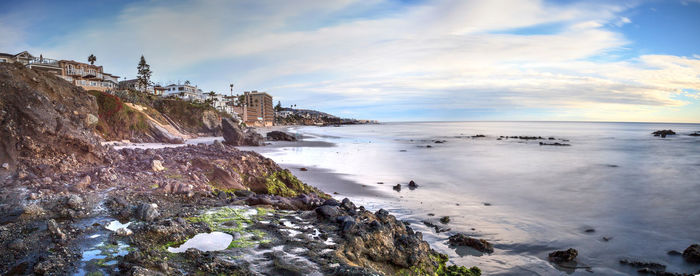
[[692, 253], [280, 136], [236, 136]]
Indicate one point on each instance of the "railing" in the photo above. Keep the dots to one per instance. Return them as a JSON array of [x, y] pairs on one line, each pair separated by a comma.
[[44, 61]]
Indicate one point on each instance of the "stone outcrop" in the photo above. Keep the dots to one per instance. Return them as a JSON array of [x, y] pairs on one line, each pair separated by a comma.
[[45, 123], [234, 135]]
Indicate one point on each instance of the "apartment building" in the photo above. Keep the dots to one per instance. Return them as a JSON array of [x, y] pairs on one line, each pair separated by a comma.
[[258, 109]]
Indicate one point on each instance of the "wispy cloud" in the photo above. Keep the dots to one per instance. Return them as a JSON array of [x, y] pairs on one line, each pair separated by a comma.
[[337, 55]]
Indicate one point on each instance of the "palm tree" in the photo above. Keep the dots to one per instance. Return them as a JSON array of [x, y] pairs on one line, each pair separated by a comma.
[[92, 58]]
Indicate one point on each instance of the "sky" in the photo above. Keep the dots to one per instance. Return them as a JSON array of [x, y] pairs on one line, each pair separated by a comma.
[[394, 60]]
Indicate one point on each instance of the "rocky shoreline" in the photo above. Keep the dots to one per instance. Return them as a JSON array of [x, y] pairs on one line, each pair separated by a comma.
[[73, 206]]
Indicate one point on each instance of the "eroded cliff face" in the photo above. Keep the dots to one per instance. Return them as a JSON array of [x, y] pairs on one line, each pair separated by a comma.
[[46, 123]]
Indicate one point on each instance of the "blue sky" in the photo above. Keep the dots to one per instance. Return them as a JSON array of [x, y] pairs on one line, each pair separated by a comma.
[[395, 60]]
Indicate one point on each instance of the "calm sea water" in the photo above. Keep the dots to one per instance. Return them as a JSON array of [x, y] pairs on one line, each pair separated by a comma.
[[639, 191]]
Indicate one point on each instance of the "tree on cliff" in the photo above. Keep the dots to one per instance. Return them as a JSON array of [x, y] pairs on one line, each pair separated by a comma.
[[278, 107], [91, 59], [144, 74]]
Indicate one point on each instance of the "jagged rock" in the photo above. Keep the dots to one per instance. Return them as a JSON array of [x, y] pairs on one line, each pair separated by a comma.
[[692, 254], [563, 256], [157, 165], [147, 212], [464, 240], [235, 136], [53, 228], [280, 136]]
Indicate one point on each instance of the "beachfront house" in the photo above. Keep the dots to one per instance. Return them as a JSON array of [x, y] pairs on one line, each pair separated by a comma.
[[184, 91], [87, 76]]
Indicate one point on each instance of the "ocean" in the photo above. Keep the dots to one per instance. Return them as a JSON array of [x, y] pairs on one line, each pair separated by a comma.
[[616, 192]]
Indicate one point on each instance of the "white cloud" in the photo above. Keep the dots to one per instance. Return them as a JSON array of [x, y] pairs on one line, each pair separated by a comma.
[[442, 54]]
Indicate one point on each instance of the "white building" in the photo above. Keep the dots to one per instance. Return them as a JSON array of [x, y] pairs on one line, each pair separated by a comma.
[[185, 92]]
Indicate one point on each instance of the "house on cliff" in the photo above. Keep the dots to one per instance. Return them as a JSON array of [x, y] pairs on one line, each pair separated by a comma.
[[85, 75]]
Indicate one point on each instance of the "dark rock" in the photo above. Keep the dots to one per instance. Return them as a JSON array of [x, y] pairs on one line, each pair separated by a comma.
[[674, 253], [17, 245], [303, 169], [479, 136], [280, 136], [697, 133], [412, 185], [147, 212], [589, 230], [348, 205], [650, 265], [555, 144], [438, 228], [328, 211], [445, 220], [331, 202], [663, 133], [235, 136], [563, 256], [243, 193], [692, 254], [397, 187], [464, 240]]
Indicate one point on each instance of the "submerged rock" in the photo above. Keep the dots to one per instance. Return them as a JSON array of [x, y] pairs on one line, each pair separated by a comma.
[[464, 240], [563, 256], [663, 133]]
